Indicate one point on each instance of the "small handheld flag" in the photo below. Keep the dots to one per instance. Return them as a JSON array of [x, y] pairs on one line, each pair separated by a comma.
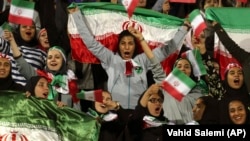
[[195, 58], [95, 95], [5, 26], [21, 12], [178, 84], [197, 22], [130, 6]]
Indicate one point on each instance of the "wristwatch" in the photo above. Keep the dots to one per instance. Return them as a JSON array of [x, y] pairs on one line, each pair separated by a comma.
[[117, 107]]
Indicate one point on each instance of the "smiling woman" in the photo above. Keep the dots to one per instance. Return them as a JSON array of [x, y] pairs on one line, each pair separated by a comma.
[[238, 112], [235, 89], [6, 81], [62, 80]]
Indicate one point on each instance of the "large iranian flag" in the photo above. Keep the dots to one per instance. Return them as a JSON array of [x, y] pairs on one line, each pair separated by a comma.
[[21, 12], [107, 20], [237, 24], [32, 119]]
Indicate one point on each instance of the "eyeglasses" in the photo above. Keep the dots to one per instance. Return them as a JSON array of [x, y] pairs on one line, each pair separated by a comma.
[[154, 100]]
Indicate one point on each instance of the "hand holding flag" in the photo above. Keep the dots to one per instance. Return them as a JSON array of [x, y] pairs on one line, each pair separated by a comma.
[[95, 95], [195, 58], [5, 26], [197, 22], [178, 84], [130, 6], [21, 12]]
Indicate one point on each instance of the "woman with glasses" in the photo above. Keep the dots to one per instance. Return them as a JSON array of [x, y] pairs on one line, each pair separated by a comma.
[[147, 121]]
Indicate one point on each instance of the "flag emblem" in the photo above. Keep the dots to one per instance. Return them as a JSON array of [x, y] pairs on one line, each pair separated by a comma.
[[176, 83], [19, 11], [132, 23], [13, 136]]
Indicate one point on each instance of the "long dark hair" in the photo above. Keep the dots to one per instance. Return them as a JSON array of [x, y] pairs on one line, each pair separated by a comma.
[[211, 112], [192, 72], [127, 33], [228, 119]]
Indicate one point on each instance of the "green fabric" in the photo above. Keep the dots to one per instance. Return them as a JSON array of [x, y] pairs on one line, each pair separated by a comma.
[[203, 86], [69, 124], [229, 17], [6, 26], [57, 81], [147, 15]]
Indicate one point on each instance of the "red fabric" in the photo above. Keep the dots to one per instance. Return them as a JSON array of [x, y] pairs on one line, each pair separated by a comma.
[[129, 68], [172, 91], [168, 63], [223, 62], [243, 1], [184, 1], [73, 90], [131, 7], [80, 52], [44, 74], [98, 95]]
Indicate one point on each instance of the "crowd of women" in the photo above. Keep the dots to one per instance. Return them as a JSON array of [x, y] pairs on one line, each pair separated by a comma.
[[134, 105]]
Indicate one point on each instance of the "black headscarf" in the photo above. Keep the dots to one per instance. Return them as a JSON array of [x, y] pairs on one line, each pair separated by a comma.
[[127, 33], [31, 84], [225, 111], [240, 94], [192, 74], [161, 116], [19, 40], [9, 84], [211, 112]]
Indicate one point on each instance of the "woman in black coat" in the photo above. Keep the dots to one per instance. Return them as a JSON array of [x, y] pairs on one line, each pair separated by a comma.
[[147, 121], [111, 116], [6, 81]]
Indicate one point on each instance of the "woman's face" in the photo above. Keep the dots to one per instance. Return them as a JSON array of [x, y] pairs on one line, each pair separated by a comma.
[[43, 40], [27, 32], [5, 67], [184, 66], [211, 3], [165, 7], [42, 89], [103, 107], [127, 47], [54, 60], [237, 112], [154, 105], [142, 3], [198, 109], [235, 77]]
